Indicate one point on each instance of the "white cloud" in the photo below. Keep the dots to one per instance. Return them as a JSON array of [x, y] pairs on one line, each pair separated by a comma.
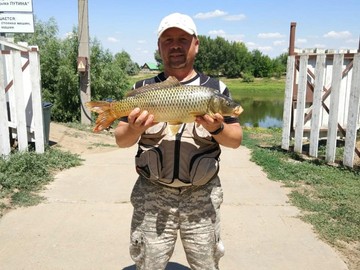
[[220, 33], [320, 46], [223, 34], [254, 46], [112, 40], [238, 38], [265, 48], [355, 41], [251, 44], [333, 34], [270, 35], [211, 14], [279, 42], [301, 40], [141, 50], [141, 42], [238, 17]]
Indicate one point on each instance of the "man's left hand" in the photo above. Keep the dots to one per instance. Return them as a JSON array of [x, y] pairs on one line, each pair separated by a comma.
[[210, 123]]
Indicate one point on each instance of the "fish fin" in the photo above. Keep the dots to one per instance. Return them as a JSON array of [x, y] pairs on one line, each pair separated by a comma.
[[168, 83], [174, 127], [106, 116], [172, 80], [195, 114]]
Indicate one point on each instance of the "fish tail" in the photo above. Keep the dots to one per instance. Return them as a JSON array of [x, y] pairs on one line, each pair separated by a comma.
[[106, 115]]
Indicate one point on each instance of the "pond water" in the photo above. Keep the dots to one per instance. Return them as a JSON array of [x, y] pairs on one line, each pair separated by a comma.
[[262, 112]]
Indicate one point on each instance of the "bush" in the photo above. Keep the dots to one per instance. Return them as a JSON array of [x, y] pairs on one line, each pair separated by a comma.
[[248, 78]]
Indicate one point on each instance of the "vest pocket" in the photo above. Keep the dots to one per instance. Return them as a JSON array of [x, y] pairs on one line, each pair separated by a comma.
[[149, 163], [204, 166]]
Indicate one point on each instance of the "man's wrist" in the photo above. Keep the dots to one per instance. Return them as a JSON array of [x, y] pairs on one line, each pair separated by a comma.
[[216, 132]]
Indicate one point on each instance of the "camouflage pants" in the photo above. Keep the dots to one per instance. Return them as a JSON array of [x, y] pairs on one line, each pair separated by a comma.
[[160, 212]]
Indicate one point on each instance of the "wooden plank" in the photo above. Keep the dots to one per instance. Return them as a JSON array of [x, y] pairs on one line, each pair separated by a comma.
[[334, 107], [37, 101], [289, 84], [5, 148], [316, 107], [300, 105], [353, 114], [20, 103]]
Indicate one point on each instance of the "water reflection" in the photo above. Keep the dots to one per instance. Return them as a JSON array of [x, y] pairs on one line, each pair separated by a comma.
[[262, 112]]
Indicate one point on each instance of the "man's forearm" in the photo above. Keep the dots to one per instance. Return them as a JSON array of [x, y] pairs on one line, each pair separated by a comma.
[[125, 136], [230, 136]]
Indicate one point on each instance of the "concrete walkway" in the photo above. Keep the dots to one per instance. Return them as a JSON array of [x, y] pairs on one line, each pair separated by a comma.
[[84, 222]]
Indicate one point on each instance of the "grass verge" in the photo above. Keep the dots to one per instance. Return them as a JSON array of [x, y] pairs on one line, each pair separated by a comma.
[[328, 196], [22, 175]]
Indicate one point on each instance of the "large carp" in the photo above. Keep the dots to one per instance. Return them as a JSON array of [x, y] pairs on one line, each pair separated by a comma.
[[169, 101]]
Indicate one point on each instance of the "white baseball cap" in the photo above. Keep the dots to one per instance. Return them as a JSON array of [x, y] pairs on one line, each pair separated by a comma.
[[177, 20]]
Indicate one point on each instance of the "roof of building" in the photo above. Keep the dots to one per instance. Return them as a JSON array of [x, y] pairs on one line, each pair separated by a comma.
[[151, 66]]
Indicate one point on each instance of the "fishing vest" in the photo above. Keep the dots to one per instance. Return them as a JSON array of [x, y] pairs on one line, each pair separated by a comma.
[[190, 157]]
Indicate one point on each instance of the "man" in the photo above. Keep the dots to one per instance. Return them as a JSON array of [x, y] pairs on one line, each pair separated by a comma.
[[173, 201]]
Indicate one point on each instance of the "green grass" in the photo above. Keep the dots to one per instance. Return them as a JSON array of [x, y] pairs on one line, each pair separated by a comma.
[[259, 88], [329, 196], [22, 175], [267, 87]]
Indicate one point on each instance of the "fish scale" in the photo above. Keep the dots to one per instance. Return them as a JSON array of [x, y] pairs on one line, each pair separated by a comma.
[[168, 101]]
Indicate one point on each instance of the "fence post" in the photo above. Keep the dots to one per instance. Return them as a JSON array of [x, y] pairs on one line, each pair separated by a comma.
[[4, 127], [353, 114], [334, 107], [289, 85], [316, 111], [20, 102], [300, 104], [37, 101]]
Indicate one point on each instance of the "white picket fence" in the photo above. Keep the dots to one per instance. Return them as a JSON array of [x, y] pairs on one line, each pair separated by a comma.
[[322, 100], [21, 115]]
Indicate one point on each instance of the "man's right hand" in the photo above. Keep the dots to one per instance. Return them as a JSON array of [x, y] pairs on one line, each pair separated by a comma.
[[128, 133], [140, 120]]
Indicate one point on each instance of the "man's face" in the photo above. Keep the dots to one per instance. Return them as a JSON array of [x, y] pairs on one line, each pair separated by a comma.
[[177, 48]]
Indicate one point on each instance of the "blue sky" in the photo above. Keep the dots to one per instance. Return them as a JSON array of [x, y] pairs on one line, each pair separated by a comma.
[[261, 24]]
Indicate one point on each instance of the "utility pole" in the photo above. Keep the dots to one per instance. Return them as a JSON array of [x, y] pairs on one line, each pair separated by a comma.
[[84, 60]]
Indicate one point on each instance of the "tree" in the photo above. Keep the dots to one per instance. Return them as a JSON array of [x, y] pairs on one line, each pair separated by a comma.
[[237, 60], [279, 65], [219, 57], [49, 48], [108, 77], [261, 65], [123, 60], [65, 89], [59, 75], [158, 60]]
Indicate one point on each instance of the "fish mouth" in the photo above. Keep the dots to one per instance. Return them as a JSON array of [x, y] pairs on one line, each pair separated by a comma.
[[237, 111]]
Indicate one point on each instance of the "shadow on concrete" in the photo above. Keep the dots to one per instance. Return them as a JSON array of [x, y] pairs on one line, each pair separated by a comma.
[[170, 266]]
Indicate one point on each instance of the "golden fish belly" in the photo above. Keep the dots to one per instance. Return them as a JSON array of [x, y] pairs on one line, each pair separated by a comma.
[[169, 105]]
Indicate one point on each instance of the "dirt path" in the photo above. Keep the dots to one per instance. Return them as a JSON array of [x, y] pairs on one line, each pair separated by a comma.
[[80, 142]]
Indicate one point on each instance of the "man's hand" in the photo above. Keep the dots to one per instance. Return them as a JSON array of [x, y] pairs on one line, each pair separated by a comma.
[[128, 133], [140, 121], [229, 136], [210, 123]]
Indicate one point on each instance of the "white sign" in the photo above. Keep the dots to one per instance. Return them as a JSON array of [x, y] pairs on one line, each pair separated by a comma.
[[16, 23], [15, 6]]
